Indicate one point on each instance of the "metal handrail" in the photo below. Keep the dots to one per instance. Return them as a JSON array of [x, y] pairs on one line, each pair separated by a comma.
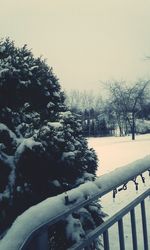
[[110, 222], [102, 185], [104, 189]]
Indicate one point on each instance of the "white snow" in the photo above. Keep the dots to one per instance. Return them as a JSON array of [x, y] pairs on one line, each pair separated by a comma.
[[55, 125], [115, 152], [34, 67], [68, 155], [3, 127], [65, 114], [74, 229], [85, 177], [2, 49], [10, 161], [3, 71], [25, 83], [56, 94], [26, 143], [56, 183], [50, 104]]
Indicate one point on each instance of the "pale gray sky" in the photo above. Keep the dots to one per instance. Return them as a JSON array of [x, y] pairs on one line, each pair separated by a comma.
[[85, 41]]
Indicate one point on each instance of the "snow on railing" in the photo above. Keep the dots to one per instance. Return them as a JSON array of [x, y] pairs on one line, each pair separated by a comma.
[[38, 218]]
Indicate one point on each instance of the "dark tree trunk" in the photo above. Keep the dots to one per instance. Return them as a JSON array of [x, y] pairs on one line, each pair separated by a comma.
[[133, 127]]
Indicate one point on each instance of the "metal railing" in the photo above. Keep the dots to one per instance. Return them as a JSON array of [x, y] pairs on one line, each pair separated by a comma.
[[118, 218], [37, 238]]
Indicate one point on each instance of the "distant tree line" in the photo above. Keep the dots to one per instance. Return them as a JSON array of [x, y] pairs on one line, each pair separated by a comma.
[[118, 113]]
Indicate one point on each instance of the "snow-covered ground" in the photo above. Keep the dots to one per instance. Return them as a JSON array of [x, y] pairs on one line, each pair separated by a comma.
[[114, 152]]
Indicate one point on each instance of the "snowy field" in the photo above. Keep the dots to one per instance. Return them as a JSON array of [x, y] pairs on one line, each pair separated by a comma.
[[114, 152]]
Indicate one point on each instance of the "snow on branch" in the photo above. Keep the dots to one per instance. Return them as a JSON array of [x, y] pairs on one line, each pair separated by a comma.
[[54, 208]]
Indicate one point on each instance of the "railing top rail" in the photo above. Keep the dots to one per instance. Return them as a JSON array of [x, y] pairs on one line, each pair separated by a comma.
[[54, 209]]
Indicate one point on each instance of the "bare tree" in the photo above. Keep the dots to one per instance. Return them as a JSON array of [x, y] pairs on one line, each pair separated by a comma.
[[126, 102]]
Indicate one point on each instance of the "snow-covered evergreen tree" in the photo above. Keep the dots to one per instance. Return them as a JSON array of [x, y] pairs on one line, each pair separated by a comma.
[[42, 150]]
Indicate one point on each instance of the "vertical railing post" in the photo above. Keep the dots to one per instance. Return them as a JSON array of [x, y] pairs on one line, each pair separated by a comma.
[[106, 240], [121, 234], [133, 228], [144, 225]]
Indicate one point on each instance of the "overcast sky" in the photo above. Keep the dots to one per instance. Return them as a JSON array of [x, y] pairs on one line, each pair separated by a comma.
[[85, 41]]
